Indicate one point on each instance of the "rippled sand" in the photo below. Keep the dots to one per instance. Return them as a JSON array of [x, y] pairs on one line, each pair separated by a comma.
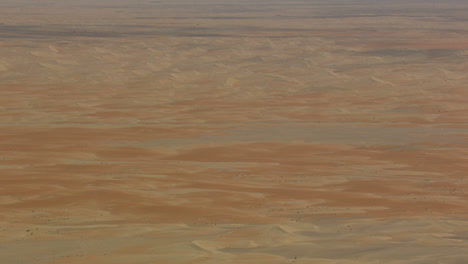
[[233, 132]]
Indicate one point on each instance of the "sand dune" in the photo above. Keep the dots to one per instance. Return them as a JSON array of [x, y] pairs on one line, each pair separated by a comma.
[[137, 132]]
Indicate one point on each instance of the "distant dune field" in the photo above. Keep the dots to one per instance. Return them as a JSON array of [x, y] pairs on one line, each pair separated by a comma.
[[250, 132]]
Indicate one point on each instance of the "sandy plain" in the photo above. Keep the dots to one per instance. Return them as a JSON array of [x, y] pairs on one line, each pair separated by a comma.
[[144, 132]]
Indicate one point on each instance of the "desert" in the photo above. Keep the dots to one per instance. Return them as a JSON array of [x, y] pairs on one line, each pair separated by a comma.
[[215, 131]]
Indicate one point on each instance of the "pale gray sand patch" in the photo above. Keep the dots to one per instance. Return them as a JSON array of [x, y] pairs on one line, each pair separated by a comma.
[[410, 240], [403, 110], [363, 136]]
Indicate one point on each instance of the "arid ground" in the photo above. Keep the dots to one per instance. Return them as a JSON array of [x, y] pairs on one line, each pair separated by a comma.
[[250, 132]]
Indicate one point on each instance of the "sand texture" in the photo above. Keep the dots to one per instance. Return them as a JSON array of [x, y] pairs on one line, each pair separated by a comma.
[[250, 132]]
